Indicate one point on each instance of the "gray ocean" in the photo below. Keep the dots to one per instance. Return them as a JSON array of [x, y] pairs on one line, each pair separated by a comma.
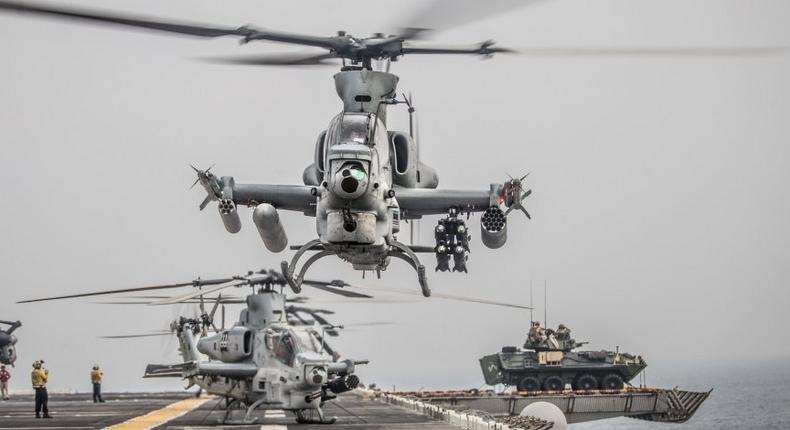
[[746, 395]]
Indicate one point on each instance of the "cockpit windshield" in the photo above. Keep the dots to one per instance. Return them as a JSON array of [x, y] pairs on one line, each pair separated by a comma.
[[284, 349], [307, 341], [286, 344], [354, 129]]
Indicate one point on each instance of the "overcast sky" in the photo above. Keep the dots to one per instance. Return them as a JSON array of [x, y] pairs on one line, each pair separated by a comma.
[[660, 204]]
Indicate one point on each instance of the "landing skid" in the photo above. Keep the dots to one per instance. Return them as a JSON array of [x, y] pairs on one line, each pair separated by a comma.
[[399, 250], [306, 416], [289, 269], [406, 254], [237, 405]]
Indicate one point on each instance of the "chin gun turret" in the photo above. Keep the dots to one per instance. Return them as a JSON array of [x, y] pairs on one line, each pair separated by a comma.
[[493, 228]]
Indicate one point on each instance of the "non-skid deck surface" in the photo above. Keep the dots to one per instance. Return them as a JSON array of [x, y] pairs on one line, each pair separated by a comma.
[[353, 411]]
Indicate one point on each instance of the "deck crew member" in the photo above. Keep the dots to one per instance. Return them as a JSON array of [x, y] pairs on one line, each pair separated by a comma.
[[4, 377], [96, 377], [39, 377]]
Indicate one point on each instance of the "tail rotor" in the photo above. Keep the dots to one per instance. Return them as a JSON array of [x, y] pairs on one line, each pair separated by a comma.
[[513, 195]]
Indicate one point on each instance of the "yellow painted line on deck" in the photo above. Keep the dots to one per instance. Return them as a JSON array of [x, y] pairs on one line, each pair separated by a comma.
[[161, 416]]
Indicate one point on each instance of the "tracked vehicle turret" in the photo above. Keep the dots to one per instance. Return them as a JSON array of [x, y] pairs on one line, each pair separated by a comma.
[[549, 362]]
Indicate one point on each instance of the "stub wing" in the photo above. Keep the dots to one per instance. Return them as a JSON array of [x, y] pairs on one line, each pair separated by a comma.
[[299, 198], [287, 197], [165, 370], [415, 203]]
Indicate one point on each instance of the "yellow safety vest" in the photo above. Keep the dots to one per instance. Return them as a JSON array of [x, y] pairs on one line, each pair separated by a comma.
[[39, 378]]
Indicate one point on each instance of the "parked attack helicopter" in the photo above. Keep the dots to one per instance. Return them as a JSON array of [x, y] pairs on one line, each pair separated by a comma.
[[273, 357], [8, 342], [262, 361]]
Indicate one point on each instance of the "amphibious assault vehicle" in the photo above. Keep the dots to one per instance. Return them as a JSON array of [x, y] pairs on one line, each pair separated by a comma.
[[549, 362]]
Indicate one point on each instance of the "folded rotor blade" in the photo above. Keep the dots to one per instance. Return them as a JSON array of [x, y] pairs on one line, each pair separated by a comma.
[[323, 321], [275, 60], [152, 297], [323, 341], [327, 286], [192, 295], [352, 300], [129, 336], [369, 324], [441, 296], [214, 309], [119, 19], [131, 290], [701, 51]]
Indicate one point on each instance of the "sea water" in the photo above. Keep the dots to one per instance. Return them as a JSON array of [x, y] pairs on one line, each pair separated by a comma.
[[746, 395]]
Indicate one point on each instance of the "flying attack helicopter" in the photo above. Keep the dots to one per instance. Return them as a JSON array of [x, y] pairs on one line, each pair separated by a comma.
[[8, 342], [274, 356], [365, 178]]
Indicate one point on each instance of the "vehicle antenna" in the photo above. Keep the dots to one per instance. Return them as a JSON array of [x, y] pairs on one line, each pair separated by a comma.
[[531, 319], [545, 303]]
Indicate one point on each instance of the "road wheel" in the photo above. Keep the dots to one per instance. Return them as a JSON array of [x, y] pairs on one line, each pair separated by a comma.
[[585, 383], [529, 384], [553, 383], [612, 381]]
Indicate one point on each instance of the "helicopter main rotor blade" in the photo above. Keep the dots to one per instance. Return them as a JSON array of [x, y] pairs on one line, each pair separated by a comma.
[[119, 19], [668, 51], [194, 294], [291, 59], [115, 18], [131, 290], [485, 48], [440, 15]]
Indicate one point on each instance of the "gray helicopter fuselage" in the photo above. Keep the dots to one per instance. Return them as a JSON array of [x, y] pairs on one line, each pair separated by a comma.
[[356, 209], [357, 168], [7, 348], [8, 343], [262, 359], [365, 180]]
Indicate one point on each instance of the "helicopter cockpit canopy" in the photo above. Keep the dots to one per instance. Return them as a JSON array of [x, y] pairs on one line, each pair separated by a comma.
[[354, 128], [286, 344]]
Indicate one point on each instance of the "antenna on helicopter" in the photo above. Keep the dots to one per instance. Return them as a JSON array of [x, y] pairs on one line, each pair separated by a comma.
[[414, 132]]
